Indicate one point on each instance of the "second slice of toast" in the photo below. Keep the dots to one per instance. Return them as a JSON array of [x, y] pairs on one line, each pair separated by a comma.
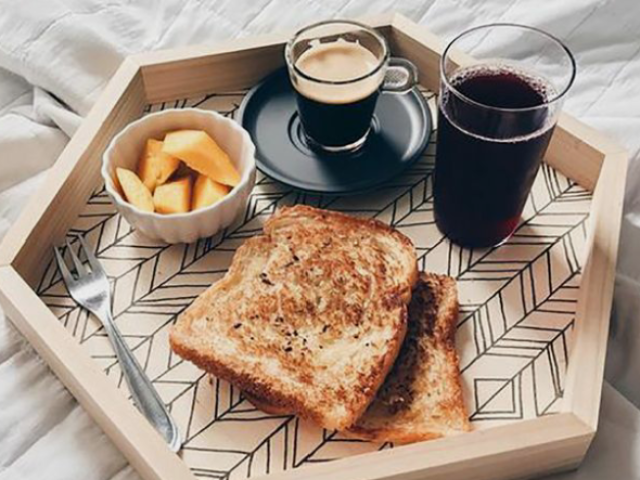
[[310, 315], [421, 398]]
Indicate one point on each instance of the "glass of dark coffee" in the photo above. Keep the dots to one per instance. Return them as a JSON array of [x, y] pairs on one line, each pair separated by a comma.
[[338, 68], [501, 90]]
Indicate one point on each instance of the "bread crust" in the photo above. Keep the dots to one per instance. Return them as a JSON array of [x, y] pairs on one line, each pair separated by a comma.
[[184, 341], [262, 404], [263, 396]]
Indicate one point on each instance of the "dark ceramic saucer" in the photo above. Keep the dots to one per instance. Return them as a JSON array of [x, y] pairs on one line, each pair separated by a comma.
[[400, 131]]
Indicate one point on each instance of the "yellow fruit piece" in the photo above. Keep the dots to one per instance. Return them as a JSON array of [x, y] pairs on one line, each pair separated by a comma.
[[155, 166], [173, 197], [207, 192], [200, 152], [135, 192]]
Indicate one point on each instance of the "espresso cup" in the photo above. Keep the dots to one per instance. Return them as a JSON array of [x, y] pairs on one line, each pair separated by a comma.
[[338, 69]]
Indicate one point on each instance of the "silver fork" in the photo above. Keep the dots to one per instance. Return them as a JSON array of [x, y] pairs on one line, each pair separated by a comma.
[[90, 288]]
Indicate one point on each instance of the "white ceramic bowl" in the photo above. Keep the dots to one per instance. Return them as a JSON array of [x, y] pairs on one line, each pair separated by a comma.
[[125, 150]]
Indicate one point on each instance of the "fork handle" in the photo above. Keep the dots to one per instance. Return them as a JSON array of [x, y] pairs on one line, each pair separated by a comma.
[[144, 394]]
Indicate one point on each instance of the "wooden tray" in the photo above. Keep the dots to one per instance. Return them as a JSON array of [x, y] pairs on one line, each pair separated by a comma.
[[533, 322]]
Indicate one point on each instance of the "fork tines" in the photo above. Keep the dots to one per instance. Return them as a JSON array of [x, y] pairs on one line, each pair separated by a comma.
[[80, 268]]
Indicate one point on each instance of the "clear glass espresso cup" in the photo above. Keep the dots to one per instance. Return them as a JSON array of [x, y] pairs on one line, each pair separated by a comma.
[[338, 69], [502, 87]]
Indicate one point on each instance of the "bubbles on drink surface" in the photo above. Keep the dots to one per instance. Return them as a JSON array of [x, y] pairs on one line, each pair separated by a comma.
[[499, 102]]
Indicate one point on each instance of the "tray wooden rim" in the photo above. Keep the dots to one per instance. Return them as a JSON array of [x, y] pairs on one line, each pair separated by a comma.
[[545, 444]]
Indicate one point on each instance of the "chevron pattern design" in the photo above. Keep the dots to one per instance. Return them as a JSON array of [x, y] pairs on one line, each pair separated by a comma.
[[518, 304]]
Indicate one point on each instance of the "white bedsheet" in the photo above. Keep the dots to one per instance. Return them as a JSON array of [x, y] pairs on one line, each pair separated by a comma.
[[57, 55]]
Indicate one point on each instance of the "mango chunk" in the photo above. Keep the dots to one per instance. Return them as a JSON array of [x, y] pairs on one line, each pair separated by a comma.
[[135, 192], [200, 152], [173, 197], [155, 166], [207, 192]]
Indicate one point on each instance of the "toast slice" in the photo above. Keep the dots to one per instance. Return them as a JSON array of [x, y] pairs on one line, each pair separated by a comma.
[[421, 398], [310, 315]]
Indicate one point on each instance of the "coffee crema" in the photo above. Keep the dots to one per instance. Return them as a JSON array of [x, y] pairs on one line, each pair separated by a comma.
[[338, 61]]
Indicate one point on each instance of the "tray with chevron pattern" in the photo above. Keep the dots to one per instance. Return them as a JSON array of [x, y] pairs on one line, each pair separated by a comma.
[[531, 331]]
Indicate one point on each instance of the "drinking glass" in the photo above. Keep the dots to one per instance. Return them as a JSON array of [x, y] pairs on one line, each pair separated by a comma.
[[336, 108], [502, 87]]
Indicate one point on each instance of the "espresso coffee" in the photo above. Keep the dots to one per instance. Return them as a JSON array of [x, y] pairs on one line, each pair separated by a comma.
[[337, 92]]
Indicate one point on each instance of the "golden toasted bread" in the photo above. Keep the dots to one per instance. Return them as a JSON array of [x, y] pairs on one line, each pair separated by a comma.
[[310, 315], [421, 398]]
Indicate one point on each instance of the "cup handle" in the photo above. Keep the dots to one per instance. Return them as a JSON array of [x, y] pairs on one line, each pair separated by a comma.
[[401, 76]]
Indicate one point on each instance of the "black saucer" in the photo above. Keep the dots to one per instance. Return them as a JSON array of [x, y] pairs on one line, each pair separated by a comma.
[[401, 130]]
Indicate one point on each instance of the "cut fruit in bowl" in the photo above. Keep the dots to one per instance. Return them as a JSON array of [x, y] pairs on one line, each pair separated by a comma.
[[180, 174]]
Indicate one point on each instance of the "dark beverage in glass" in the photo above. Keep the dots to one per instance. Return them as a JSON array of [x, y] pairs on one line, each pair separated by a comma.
[[336, 124], [338, 69], [482, 183], [495, 121]]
